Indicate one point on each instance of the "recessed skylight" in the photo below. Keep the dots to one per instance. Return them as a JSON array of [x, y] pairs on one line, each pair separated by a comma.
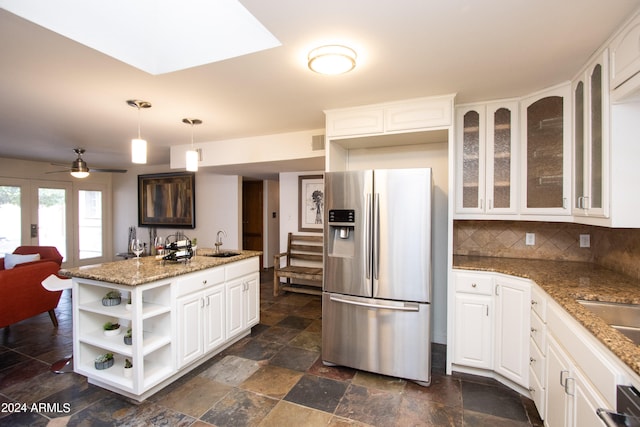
[[156, 36]]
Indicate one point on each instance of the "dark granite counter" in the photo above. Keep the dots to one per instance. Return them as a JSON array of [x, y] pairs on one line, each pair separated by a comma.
[[567, 282], [132, 272]]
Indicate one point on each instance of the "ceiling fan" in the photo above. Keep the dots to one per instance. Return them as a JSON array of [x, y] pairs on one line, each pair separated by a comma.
[[79, 168]]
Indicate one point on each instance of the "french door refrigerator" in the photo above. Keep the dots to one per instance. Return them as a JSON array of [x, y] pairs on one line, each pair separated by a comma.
[[376, 313]]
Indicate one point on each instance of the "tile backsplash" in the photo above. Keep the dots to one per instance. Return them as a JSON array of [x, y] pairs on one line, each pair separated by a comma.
[[614, 248]]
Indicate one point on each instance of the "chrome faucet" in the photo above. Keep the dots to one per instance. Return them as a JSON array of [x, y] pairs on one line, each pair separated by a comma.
[[219, 239]]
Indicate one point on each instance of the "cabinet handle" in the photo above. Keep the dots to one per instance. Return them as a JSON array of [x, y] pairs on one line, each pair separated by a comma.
[[497, 286], [487, 310], [566, 386], [564, 203], [490, 204], [201, 302], [482, 204], [562, 380], [208, 300]]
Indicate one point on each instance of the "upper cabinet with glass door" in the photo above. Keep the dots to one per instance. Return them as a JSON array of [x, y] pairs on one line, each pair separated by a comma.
[[591, 140], [546, 134], [486, 161]]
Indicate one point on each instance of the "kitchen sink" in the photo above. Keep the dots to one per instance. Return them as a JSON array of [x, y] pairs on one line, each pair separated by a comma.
[[623, 317], [223, 254]]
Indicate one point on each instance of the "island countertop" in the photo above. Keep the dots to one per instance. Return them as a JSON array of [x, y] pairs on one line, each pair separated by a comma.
[[566, 282], [133, 272]]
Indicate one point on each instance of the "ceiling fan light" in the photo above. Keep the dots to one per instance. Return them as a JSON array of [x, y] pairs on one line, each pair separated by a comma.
[[79, 168], [332, 59], [192, 160], [138, 151]]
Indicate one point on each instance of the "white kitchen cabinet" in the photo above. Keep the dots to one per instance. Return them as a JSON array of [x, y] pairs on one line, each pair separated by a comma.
[[473, 324], [200, 315], [546, 154], [591, 140], [389, 118], [150, 319], [625, 59], [491, 324], [243, 296], [512, 325], [486, 160], [571, 401]]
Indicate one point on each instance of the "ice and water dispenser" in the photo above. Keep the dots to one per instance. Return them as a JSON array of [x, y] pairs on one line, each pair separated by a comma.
[[341, 233]]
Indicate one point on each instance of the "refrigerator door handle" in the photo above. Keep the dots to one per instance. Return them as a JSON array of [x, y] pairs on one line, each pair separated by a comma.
[[403, 307], [367, 237], [376, 237]]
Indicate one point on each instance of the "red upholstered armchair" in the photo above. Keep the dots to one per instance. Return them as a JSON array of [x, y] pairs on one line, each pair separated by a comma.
[[21, 292]]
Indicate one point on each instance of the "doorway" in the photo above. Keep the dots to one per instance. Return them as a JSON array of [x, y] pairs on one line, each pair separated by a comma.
[[252, 216]]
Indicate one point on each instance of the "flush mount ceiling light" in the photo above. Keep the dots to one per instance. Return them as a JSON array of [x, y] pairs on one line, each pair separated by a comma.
[[332, 59], [138, 145], [193, 155]]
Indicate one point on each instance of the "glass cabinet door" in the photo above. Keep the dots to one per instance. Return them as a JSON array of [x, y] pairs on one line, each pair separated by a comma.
[[595, 200], [470, 182], [502, 120], [548, 152]]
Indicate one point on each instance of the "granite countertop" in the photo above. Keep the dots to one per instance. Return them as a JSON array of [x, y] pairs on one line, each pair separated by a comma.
[[567, 282], [149, 269]]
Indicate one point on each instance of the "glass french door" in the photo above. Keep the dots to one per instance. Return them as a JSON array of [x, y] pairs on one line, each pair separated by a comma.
[[69, 216]]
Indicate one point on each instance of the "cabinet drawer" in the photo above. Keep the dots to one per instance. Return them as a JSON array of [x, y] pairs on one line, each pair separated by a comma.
[[241, 268], [539, 332], [539, 303], [474, 283], [199, 281], [537, 361], [537, 394]]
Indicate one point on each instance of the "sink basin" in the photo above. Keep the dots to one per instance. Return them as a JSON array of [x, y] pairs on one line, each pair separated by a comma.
[[623, 317], [223, 254]]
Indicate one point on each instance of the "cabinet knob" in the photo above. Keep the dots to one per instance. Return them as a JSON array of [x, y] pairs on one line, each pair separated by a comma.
[[473, 285], [533, 302], [531, 360], [532, 390], [204, 282], [534, 330]]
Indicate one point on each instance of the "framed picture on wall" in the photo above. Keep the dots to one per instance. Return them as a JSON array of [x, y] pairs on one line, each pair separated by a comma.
[[311, 203], [167, 200]]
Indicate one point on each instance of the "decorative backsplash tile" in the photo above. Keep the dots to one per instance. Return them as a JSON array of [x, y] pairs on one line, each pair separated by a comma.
[[617, 249]]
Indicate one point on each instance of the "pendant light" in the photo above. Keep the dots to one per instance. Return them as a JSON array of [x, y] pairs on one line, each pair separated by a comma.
[[193, 155], [138, 145]]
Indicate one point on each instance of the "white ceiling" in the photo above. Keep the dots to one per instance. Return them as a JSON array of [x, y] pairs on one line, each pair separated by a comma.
[[56, 94]]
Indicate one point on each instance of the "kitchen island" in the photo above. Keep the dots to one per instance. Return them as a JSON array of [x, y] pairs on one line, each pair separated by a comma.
[[180, 314]]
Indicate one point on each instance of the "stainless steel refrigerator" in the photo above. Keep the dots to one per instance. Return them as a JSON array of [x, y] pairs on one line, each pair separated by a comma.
[[376, 313]]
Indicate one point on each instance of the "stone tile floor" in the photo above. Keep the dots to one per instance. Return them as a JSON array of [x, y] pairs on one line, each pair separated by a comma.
[[274, 377]]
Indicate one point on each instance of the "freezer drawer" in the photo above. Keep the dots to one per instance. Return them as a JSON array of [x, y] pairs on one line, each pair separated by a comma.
[[387, 337]]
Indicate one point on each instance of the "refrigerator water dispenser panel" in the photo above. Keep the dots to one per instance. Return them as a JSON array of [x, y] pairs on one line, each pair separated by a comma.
[[341, 237]]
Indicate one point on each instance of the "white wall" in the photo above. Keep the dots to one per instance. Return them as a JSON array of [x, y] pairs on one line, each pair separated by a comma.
[[289, 205], [218, 201]]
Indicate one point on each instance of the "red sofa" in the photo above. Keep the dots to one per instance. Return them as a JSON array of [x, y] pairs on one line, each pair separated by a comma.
[[21, 292]]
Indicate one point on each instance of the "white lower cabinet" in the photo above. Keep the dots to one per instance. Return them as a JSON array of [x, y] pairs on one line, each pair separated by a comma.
[[473, 326], [243, 296], [571, 400], [513, 302], [491, 324], [201, 323]]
